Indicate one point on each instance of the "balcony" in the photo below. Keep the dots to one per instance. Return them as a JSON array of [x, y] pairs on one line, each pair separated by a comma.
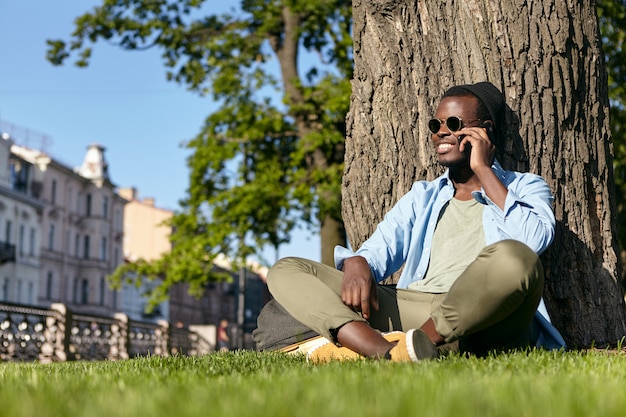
[[7, 253]]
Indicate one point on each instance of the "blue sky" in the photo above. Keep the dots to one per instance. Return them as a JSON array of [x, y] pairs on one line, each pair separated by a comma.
[[121, 101]]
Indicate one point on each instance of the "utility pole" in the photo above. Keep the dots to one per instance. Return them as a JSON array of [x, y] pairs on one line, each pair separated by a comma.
[[241, 308]]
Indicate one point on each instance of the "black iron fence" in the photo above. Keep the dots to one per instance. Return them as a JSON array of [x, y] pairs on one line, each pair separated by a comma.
[[50, 335]]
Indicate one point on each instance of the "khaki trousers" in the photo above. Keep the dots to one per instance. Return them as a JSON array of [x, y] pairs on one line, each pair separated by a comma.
[[490, 306]]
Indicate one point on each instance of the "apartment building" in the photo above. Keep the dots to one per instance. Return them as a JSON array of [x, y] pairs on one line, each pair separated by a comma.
[[81, 229], [20, 225]]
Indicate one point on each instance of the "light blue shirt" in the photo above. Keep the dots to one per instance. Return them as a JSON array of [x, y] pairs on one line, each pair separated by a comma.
[[405, 235]]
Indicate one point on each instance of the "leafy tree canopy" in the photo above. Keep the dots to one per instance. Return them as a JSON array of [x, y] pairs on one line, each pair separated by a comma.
[[260, 164]]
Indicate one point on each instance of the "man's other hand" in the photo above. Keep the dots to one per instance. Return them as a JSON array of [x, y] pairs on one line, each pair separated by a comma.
[[358, 288]]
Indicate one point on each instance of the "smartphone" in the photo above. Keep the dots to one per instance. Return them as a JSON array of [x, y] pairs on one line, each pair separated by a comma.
[[488, 126], [468, 146]]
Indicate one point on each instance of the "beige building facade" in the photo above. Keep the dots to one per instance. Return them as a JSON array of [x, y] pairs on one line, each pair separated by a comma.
[[146, 236], [81, 230]]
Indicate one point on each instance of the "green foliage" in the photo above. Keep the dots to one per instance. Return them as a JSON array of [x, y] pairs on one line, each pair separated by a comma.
[[612, 18], [535, 383], [260, 164]]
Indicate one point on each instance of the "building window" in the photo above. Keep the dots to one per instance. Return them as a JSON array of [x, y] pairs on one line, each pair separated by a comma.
[[31, 293], [31, 241], [49, 286], [118, 220], [103, 248], [86, 248], [19, 175], [5, 290], [84, 293], [103, 288], [53, 192], [21, 238], [18, 292], [51, 237], [7, 232], [105, 207], [116, 257], [88, 203], [70, 193], [77, 245], [75, 290]]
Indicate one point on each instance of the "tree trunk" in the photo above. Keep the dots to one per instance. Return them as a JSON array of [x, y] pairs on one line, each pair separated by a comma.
[[545, 56], [332, 233]]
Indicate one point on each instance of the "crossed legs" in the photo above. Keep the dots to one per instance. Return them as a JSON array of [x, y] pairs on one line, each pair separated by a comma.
[[490, 305]]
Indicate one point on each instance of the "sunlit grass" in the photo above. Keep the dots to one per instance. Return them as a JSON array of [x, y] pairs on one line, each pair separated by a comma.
[[272, 384]]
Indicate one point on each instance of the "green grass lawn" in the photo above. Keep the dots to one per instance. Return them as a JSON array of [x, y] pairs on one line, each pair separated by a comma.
[[272, 384]]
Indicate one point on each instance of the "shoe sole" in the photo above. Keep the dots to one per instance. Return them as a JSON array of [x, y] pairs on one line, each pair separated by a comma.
[[419, 346]]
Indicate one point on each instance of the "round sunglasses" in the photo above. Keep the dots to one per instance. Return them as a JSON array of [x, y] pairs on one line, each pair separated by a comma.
[[453, 123]]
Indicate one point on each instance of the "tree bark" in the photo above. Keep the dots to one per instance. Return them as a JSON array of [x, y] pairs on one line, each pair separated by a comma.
[[545, 55]]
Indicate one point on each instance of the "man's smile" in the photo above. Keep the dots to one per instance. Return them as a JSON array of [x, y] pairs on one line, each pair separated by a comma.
[[444, 147]]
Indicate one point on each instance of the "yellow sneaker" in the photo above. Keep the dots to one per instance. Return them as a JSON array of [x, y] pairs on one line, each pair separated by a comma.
[[413, 346], [300, 347], [321, 350], [325, 351]]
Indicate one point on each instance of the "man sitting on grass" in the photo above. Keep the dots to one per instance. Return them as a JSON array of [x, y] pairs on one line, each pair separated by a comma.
[[469, 242]]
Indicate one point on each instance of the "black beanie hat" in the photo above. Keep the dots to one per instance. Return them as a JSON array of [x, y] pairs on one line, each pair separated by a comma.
[[490, 96]]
